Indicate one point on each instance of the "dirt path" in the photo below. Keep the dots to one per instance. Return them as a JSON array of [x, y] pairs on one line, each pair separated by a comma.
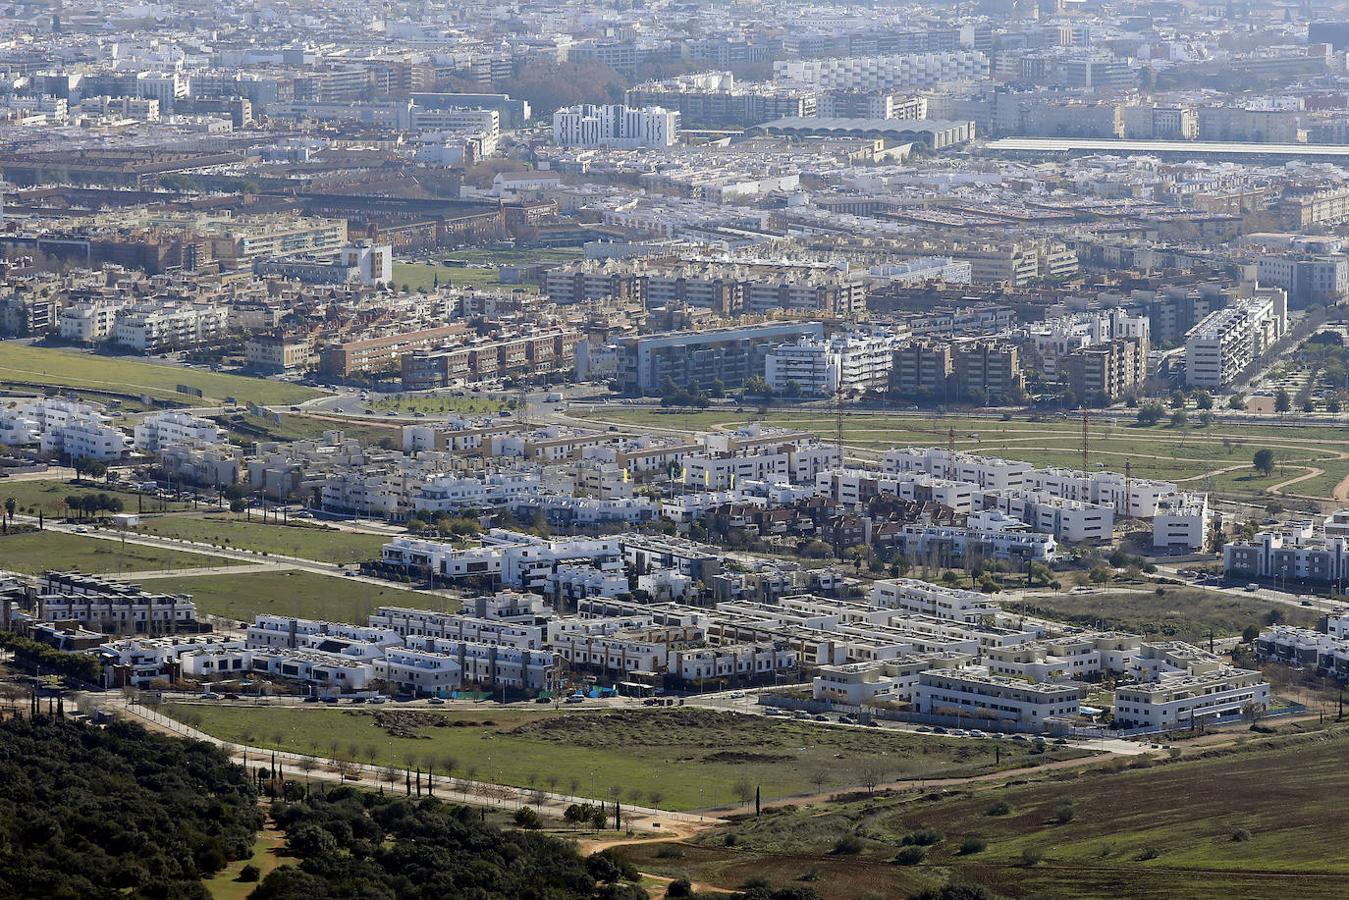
[[1341, 491]]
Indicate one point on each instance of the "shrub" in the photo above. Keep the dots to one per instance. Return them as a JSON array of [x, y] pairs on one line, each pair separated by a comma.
[[1241, 835], [1064, 812], [923, 837], [1149, 853], [730, 840], [527, 818], [911, 855], [249, 874], [1000, 808], [848, 845], [972, 845], [680, 887], [669, 852], [1032, 856]]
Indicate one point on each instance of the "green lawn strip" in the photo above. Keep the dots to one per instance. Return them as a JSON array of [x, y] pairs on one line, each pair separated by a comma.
[[295, 593], [37, 552], [306, 541], [43, 365], [50, 497], [693, 758]]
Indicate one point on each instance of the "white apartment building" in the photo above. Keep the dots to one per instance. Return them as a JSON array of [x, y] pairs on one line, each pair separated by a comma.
[[450, 493], [152, 329], [732, 662], [410, 623], [492, 666], [1228, 340], [127, 612], [976, 693], [881, 73], [61, 428], [1181, 521], [847, 362], [89, 323], [949, 542], [926, 599], [373, 261], [1182, 700], [405, 670], [160, 430], [619, 127]]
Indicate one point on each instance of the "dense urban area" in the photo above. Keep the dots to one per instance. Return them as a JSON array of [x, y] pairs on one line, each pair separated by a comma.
[[658, 448]]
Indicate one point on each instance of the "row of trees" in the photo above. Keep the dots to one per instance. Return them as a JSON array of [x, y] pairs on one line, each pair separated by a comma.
[[91, 505]]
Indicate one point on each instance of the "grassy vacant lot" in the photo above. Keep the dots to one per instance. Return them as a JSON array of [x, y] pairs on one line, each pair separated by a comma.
[[299, 427], [440, 405], [1181, 613], [1217, 458], [50, 497], [423, 276], [306, 541], [39, 551], [692, 757], [303, 594], [41, 365], [1265, 820]]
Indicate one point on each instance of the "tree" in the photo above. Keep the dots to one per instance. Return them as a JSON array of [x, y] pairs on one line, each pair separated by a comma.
[[1064, 811], [1237, 402], [1177, 400], [527, 818], [1249, 634], [1282, 402], [744, 790], [1203, 400], [1178, 418], [1263, 461], [10, 505], [1150, 415]]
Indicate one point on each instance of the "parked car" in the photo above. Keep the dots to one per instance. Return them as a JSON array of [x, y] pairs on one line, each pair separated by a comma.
[[847, 720], [436, 701], [923, 729], [820, 717]]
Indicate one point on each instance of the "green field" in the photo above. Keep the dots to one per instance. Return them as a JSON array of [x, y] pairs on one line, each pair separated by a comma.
[[50, 497], [38, 551], [1164, 832], [424, 276], [314, 542], [289, 593], [1217, 458], [693, 757], [124, 375], [1185, 614]]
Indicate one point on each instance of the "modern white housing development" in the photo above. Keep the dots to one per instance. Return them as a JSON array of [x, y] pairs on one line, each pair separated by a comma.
[[1297, 552], [1228, 340], [1184, 699], [61, 428], [619, 127], [851, 363], [1074, 506], [161, 430], [993, 700]]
